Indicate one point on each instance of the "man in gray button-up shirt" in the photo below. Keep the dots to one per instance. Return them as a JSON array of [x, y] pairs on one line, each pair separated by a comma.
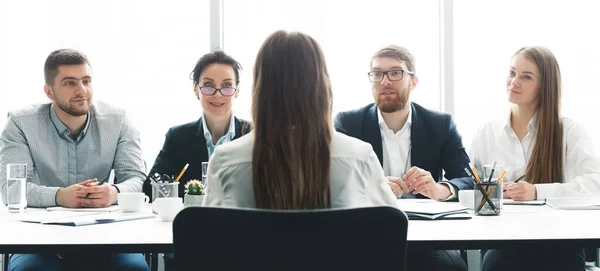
[[69, 145], [70, 141]]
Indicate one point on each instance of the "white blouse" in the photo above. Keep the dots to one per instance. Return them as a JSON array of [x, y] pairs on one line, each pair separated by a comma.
[[496, 141], [357, 179]]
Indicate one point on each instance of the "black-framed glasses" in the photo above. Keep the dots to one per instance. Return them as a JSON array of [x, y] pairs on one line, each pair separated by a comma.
[[210, 91], [393, 75]]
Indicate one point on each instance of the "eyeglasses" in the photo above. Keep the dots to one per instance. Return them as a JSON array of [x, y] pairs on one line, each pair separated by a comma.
[[393, 75], [210, 91]]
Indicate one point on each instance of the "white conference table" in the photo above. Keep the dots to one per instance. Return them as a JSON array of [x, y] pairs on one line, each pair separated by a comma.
[[144, 235], [515, 225]]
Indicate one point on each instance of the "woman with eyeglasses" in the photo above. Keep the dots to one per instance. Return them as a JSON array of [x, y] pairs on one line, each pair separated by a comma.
[[216, 77]]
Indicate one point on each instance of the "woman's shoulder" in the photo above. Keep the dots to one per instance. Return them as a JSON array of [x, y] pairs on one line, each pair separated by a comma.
[[343, 146], [236, 151]]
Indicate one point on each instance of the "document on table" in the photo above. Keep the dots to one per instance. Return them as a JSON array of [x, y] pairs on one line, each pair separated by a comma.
[[111, 208], [70, 218], [525, 202], [432, 210], [581, 203]]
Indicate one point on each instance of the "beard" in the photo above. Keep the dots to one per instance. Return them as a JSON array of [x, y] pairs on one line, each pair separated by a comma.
[[72, 110], [393, 104]]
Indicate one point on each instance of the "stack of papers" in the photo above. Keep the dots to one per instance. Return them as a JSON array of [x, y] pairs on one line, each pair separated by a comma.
[[111, 208], [432, 210], [78, 218], [581, 203]]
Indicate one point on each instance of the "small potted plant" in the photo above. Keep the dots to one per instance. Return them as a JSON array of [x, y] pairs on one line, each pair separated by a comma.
[[194, 193]]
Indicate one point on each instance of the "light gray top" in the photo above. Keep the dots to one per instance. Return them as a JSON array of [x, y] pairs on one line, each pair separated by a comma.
[[357, 179], [35, 136]]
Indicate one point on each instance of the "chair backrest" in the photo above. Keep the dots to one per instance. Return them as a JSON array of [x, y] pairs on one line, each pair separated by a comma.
[[372, 238]]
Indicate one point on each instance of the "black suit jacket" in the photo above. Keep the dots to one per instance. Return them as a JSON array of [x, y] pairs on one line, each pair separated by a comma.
[[436, 144], [186, 144]]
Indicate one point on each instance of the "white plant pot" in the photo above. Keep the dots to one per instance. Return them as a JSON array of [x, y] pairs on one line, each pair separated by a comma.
[[192, 200]]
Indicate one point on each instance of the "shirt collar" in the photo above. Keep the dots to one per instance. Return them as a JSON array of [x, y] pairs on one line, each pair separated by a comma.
[[531, 126], [62, 129], [407, 124], [230, 133]]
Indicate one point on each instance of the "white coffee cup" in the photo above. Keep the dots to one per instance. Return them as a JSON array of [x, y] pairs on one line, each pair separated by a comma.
[[467, 198], [132, 201], [168, 208]]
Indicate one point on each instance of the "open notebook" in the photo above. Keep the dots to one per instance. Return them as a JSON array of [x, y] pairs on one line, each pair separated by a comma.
[[432, 210], [77, 218]]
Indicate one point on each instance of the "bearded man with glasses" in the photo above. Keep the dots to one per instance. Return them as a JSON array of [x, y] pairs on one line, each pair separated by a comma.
[[415, 146]]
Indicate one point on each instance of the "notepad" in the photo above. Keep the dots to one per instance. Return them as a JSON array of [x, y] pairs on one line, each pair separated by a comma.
[[526, 202], [432, 210], [581, 203], [111, 208]]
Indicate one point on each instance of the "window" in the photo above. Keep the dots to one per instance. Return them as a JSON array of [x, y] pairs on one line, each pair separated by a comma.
[[141, 53], [348, 35], [488, 33]]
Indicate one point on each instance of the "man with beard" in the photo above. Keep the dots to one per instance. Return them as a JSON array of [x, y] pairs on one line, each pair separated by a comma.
[[69, 145], [414, 145]]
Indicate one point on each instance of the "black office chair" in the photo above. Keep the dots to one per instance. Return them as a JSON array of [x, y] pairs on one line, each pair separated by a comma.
[[371, 238]]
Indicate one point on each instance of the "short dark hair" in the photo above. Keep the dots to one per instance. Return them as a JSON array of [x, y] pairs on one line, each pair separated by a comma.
[[216, 56], [397, 52], [62, 57]]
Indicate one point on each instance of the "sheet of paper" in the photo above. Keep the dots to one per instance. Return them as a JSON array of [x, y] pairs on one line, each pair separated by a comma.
[[111, 208], [581, 203]]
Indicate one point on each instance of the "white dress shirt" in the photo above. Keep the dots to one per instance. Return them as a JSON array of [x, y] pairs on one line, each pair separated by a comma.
[[357, 179], [496, 141], [397, 151]]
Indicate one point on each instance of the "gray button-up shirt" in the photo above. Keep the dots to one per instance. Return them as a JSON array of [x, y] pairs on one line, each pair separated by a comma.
[[35, 136]]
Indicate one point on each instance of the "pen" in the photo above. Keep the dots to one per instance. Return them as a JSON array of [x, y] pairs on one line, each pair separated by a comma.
[[99, 184], [518, 179], [181, 173]]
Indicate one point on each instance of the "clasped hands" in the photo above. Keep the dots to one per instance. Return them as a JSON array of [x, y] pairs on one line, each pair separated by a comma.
[[419, 181], [74, 196]]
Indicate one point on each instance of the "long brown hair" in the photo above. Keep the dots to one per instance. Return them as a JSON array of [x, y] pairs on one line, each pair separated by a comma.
[[291, 110], [546, 161]]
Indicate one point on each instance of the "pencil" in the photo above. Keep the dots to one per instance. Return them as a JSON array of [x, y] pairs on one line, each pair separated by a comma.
[[181, 173], [492, 173], [501, 177], [476, 176]]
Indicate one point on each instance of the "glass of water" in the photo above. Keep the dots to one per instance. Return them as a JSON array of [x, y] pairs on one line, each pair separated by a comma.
[[16, 192], [204, 172]]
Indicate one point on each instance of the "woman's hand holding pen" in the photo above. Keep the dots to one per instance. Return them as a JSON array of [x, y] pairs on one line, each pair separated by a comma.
[[520, 191], [100, 195]]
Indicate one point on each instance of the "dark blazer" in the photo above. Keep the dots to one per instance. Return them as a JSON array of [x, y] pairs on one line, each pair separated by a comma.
[[436, 144], [186, 144]]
